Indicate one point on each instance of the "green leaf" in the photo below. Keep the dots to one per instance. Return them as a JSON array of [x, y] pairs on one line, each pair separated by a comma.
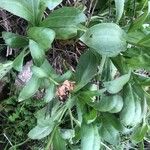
[[116, 85], [119, 8], [67, 133], [5, 68], [64, 21], [39, 72], [135, 36], [37, 53], [88, 96], [141, 61], [50, 93], [64, 17], [66, 76], [18, 8], [52, 3], [127, 114], [145, 41], [86, 69], [138, 109], [18, 62], [30, 10], [106, 38], [58, 142], [40, 132], [14, 40], [49, 69], [90, 116], [65, 33], [90, 138], [139, 133], [112, 104], [37, 10], [30, 89], [138, 22], [45, 119], [109, 130], [43, 36]]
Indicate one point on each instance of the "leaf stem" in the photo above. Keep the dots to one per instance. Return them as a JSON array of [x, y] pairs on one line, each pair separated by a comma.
[[51, 79], [103, 60], [106, 146], [15, 146], [71, 117], [51, 138], [53, 132]]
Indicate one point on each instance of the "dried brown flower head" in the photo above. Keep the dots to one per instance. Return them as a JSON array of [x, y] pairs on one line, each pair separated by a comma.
[[63, 90]]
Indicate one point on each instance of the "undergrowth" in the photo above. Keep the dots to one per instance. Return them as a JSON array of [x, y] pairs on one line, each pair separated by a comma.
[[75, 74]]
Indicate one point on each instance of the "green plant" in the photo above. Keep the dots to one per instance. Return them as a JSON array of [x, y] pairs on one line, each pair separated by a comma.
[[109, 103]]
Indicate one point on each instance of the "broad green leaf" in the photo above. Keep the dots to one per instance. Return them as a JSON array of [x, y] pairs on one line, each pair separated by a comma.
[[109, 131], [138, 58], [37, 53], [109, 134], [114, 121], [64, 21], [49, 72], [43, 36], [49, 69], [40, 132], [106, 38], [18, 7], [86, 69], [58, 142], [127, 114], [112, 104], [90, 138], [138, 89], [90, 116], [50, 93], [116, 85], [108, 70], [88, 96], [45, 119], [5, 68], [135, 36], [119, 8], [67, 133], [30, 89], [119, 104], [71, 101], [138, 109], [39, 72], [41, 114], [66, 76], [64, 17], [51, 4], [14, 40], [36, 8], [131, 52], [145, 41], [141, 61], [18, 62], [119, 63], [139, 133], [30, 10], [65, 33]]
